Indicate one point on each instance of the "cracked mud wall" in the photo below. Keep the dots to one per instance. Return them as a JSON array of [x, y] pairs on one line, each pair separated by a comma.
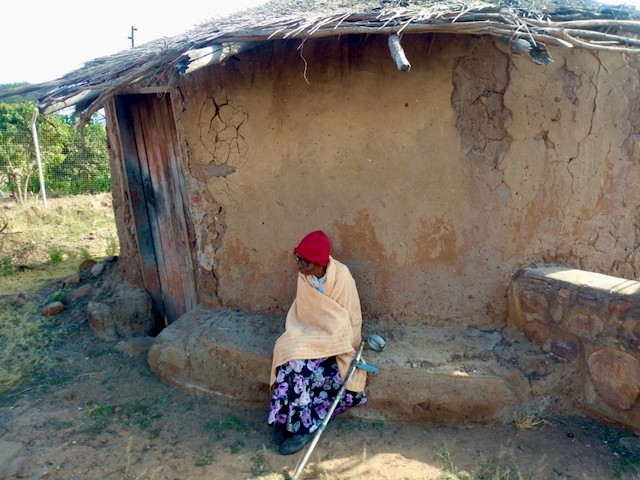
[[577, 178], [435, 185]]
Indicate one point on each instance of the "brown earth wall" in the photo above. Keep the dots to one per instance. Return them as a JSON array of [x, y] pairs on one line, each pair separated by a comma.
[[435, 185]]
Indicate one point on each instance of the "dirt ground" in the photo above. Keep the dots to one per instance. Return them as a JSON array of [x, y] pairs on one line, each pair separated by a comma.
[[101, 414]]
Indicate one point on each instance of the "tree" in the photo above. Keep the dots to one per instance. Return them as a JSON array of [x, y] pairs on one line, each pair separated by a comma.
[[22, 98], [84, 165], [17, 156], [75, 161]]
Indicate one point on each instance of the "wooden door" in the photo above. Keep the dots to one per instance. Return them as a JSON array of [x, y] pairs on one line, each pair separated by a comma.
[[153, 167]]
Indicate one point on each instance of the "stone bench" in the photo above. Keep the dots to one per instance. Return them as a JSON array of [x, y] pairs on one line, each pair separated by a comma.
[[427, 374], [592, 322]]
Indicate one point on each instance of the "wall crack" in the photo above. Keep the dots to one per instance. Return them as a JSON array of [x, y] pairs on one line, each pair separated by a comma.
[[222, 136]]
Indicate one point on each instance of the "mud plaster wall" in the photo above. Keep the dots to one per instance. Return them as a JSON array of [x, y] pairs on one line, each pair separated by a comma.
[[435, 185]]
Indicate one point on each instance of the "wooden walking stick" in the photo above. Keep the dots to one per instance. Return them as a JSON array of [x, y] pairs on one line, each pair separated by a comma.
[[377, 344]]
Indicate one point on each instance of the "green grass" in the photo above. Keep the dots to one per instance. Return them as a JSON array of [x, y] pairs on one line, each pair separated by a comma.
[[56, 255], [236, 447], [99, 418], [113, 246], [6, 266], [141, 416], [207, 458], [260, 465], [101, 410], [219, 427]]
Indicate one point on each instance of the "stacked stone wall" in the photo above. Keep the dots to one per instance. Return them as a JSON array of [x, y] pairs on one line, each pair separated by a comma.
[[591, 321]]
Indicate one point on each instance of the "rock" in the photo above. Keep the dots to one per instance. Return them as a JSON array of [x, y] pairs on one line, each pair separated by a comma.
[[18, 467], [24, 472], [53, 308], [586, 324], [97, 269], [227, 354], [619, 391], [618, 307], [101, 321], [532, 302], [558, 312], [536, 329], [42, 473], [86, 264], [124, 313], [565, 347], [212, 354], [72, 280], [631, 330], [74, 295], [135, 347]]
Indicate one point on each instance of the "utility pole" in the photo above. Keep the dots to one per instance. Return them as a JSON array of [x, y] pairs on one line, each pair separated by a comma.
[[133, 29], [36, 144]]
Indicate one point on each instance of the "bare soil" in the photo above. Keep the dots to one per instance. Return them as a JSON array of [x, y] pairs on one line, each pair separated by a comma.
[[99, 413]]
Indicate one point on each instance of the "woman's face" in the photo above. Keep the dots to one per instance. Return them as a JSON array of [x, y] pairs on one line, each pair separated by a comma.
[[307, 267]]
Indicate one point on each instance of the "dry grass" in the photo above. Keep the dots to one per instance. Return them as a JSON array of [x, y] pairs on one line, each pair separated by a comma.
[[526, 421], [20, 341], [39, 244], [531, 414], [502, 467]]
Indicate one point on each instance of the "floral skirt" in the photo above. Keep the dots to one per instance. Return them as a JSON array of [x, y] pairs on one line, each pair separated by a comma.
[[304, 391]]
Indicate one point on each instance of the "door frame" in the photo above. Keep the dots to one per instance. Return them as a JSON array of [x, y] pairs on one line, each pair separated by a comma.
[[152, 167]]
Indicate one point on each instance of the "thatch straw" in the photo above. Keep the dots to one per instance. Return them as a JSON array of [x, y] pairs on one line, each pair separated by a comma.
[[527, 25]]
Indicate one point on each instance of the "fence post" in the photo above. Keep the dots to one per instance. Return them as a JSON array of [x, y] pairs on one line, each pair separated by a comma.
[[36, 144]]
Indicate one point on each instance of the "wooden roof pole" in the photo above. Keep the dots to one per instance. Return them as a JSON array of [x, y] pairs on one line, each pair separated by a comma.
[[84, 95], [217, 53], [397, 52]]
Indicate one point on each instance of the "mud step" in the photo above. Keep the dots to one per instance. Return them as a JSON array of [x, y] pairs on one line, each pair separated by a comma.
[[426, 374]]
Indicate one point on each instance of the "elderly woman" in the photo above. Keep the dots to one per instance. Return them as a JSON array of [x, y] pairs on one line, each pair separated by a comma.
[[312, 357]]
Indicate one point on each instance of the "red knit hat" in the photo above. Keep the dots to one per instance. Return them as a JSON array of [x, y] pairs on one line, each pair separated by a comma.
[[315, 247]]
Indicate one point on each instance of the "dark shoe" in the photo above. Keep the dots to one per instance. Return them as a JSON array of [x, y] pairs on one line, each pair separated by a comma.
[[294, 444], [280, 434]]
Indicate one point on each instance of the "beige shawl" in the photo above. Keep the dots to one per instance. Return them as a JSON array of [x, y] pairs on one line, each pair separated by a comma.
[[322, 325]]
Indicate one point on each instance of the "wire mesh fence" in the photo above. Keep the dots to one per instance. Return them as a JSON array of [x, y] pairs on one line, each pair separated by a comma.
[[73, 162]]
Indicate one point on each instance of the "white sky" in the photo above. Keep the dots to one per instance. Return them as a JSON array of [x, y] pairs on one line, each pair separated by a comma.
[[41, 40]]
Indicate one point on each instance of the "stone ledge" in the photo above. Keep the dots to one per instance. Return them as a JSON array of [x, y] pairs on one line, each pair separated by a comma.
[[592, 322], [426, 374]]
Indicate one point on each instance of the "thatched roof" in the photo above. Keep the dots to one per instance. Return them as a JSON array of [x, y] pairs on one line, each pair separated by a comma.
[[526, 25]]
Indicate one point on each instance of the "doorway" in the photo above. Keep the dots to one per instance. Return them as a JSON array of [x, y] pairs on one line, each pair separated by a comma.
[[153, 170]]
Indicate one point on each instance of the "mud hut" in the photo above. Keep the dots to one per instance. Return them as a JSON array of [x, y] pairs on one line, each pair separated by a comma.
[[443, 145]]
